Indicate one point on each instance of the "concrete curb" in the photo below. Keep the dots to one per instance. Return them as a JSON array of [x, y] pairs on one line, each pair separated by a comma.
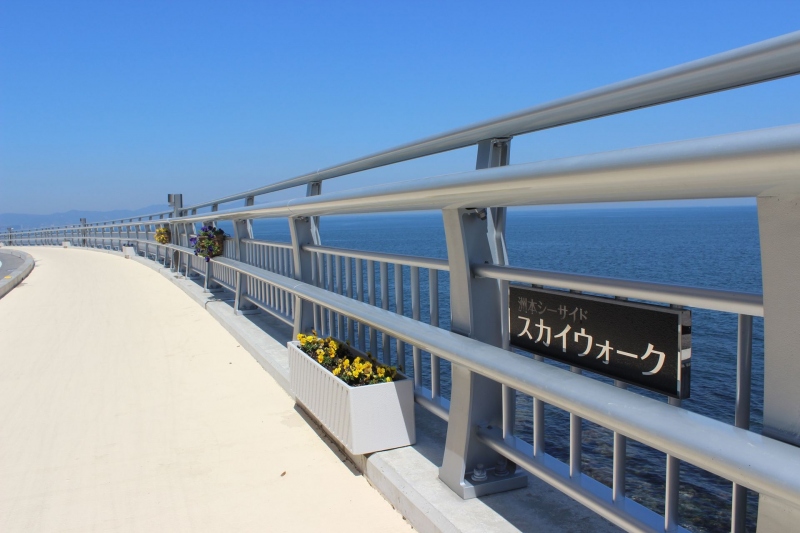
[[17, 275]]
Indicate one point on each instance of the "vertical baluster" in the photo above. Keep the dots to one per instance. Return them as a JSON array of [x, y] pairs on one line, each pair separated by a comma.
[[575, 438], [315, 281], [538, 428], [744, 366], [348, 275], [415, 314], [281, 293], [360, 297], [620, 460], [275, 292], [321, 284], [331, 314], [373, 335], [273, 267], [339, 290], [509, 400], [673, 479], [433, 293], [248, 285], [386, 355], [289, 272], [259, 252], [263, 261], [399, 302], [269, 289], [673, 485], [280, 296]]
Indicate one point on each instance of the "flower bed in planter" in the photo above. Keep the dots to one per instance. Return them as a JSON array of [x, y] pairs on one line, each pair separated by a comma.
[[366, 418], [210, 242], [163, 235]]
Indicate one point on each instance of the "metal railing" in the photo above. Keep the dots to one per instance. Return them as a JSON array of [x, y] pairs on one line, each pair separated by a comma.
[[389, 304]]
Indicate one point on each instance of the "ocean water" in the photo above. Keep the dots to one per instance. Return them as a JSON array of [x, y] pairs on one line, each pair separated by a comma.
[[714, 247]]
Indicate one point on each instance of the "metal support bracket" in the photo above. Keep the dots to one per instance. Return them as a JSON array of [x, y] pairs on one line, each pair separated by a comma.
[[304, 231], [478, 307], [242, 229]]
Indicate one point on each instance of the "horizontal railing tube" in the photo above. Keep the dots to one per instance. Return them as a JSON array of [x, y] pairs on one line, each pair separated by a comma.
[[407, 260], [717, 300], [738, 455], [759, 62], [746, 164]]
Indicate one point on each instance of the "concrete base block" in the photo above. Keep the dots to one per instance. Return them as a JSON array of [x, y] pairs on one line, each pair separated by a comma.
[[248, 312]]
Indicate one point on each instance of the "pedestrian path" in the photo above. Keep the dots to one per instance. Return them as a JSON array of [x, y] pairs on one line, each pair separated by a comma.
[[124, 406]]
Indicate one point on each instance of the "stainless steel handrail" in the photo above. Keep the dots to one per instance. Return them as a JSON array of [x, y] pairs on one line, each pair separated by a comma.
[[755, 63], [718, 300], [746, 164], [738, 455], [408, 260], [275, 244]]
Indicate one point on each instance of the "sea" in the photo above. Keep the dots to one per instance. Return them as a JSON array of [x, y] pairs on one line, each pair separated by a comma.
[[702, 246]]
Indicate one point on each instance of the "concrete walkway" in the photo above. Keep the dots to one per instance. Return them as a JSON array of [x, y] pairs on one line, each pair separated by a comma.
[[124, 406]]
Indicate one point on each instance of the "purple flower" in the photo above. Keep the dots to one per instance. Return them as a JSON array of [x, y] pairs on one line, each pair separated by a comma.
[[193, 241], [208, 259]]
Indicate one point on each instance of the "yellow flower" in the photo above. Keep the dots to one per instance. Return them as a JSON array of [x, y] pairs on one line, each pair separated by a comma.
[[346, 362], [337, 371], [388, 379], [381, 372], [320, 358]]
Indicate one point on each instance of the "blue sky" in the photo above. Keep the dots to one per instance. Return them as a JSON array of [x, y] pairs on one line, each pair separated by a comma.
[[112, 105]]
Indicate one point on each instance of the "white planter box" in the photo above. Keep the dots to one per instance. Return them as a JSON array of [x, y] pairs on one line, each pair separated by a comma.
[[128, 252], [66, 244], [364, 419]]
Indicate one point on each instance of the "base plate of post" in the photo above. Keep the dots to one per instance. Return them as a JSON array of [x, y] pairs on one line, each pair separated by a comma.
[[469, 488], [493, 483], [214, 289]]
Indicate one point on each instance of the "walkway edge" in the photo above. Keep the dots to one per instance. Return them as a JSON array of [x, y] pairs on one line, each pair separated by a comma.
[[390, 483], [421, 513], [17, 275]]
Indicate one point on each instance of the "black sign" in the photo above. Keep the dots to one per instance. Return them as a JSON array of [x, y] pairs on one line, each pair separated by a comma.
[[645, 345]]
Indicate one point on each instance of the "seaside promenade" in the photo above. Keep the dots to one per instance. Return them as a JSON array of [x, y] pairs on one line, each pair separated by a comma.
[[124, 406]]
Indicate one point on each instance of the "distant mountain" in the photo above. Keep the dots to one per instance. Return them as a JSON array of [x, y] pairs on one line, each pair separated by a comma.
[[21, 221]]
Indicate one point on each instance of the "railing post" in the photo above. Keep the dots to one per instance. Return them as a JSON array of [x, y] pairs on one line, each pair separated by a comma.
[[779, 230], [176, 202], [243, 229], [209, 285], [304, 231], [478, 308]]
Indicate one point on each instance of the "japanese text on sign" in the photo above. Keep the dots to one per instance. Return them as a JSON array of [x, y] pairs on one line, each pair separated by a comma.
[[646, 345]]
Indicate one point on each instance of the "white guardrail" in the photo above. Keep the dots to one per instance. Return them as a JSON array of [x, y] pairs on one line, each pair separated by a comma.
[[336, 291]]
